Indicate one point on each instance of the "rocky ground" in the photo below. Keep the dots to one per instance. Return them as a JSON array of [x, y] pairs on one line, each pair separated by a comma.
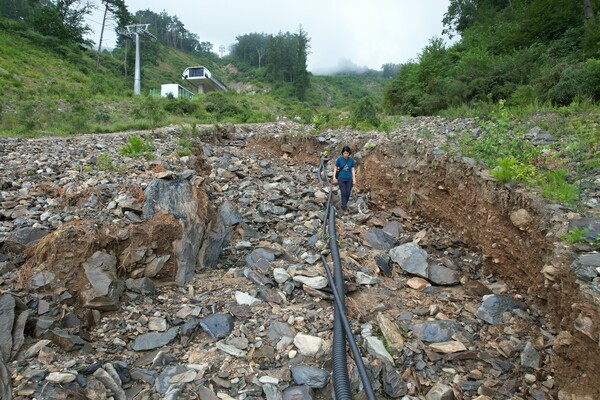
[[199, 277]]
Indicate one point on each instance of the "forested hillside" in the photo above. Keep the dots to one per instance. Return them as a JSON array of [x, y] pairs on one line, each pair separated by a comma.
[[525, 53], [44, 70], [522, 51]]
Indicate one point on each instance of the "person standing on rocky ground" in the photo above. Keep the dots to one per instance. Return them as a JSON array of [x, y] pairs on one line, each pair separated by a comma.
[[344, 172]]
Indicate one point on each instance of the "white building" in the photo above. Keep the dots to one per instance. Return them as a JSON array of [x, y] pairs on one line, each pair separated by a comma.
[[175, 90]]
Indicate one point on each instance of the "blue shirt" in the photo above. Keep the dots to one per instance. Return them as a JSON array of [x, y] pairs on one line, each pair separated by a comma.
[[346, 171]]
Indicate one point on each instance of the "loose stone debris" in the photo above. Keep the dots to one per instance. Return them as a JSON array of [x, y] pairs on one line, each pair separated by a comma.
[[199, 277]]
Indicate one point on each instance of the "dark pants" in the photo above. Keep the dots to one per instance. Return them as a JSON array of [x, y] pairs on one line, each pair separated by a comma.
[[345, 189]]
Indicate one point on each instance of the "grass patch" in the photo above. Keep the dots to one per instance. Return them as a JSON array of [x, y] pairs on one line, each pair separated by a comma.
[[556, 188], [510, 169]]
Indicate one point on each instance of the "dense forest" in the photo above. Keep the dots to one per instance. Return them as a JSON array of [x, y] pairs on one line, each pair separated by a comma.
[[522, 51]]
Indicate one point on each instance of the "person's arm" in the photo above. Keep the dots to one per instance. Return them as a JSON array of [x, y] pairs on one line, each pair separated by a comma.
[[335, 167]]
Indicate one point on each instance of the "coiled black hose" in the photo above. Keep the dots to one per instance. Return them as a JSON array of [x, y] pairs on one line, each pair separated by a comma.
[[341, 326]]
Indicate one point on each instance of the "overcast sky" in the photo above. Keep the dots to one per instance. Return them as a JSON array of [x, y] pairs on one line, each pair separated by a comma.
[[366, 33]]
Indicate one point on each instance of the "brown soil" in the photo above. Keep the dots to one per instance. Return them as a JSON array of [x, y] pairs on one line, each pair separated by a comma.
[[81, 241], [460, 199]]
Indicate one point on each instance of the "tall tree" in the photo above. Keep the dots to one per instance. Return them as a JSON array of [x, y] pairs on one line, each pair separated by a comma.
[[251, 48], [119, 10], [461, 14], [63, 19], [301, 78], [170, 31], [390, 70]]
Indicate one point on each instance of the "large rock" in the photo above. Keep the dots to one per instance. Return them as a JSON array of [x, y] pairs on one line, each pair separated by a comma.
[[390, 331], [376, 348], [5, 382], [310, 376], [436, 331], [154, 340], [298, 393], [218, 326], [217, 235], [7, 318], [378, 239], [521, 218], [411, 258], [189, 206], [493, 307], [591, 227], [440, 391], [586, 266], [308, 345], [101, 272], [444, 276], [17, 241]]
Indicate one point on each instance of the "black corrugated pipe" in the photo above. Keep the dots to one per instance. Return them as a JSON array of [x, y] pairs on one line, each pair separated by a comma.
[[348, 330], [341, 326], [341, 382]]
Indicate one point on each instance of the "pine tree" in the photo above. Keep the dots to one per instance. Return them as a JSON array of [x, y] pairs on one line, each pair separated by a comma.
[[301, 78]]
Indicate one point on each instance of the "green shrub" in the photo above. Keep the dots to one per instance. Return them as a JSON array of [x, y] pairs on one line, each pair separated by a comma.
[[221, 106], [322, 119], [102, 116], [185, 147], [104, 162], [498, 139], [301, 114], [386, 125], [523, 95], [181, 106], [577, 235], [77, 119], [365, 112], [149, 107], [510, 169], [137, 147], [569, 85], [28, 117], [590, 41]]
